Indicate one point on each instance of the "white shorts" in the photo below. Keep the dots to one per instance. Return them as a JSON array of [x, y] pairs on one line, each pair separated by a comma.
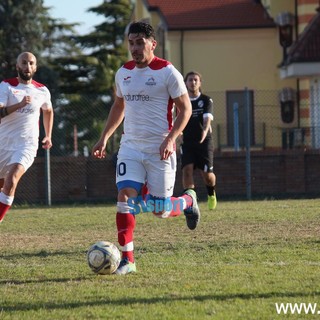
[[24, 157], [140, 167]]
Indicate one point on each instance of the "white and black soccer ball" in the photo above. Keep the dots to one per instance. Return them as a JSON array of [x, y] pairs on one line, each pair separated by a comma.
[[103, 257]]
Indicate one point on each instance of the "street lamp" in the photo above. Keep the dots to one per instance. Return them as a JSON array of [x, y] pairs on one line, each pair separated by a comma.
[[285, 21]]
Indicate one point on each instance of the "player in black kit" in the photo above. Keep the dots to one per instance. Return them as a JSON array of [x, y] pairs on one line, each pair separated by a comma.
[[197, 146]]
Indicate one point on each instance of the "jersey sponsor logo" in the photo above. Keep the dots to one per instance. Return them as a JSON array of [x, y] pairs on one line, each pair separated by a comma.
[[126, 81], [151, 82], [136, 97], [26, 110]]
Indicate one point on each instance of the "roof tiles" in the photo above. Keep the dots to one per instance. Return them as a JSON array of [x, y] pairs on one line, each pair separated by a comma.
[[307, 47], [211, 14]]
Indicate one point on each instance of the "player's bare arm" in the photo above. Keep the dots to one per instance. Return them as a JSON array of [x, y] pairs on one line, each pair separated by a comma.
[[5, 111], [206, 128], [184, 107], [48, 116], [114, 120]]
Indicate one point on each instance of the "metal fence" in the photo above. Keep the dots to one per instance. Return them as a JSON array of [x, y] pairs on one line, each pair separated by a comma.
[[274, 124], [273, 121]]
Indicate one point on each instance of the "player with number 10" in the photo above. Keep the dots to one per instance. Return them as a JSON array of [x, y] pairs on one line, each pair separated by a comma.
[[147, 90]]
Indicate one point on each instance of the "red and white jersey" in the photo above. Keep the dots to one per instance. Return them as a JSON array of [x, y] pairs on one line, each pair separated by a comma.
[[148, 94], [20, 129]]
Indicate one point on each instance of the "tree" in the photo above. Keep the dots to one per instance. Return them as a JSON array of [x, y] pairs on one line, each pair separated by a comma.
[[26, 26], [106, 42], [101, 52], [78, 70], [87, 79], [19, 31]]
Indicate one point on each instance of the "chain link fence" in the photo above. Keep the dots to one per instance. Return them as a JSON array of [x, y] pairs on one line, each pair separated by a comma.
[[275, 120], [274, 124]]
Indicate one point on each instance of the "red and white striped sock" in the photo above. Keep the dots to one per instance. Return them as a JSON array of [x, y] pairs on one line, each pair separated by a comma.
[[125, 224], [144, 192], [5, 204]]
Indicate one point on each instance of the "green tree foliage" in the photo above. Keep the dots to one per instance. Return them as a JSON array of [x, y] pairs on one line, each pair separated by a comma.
[[19, 31], [58, 41], [87, 78], [78, 70], [102, 52], [26, 26], [106, 42]]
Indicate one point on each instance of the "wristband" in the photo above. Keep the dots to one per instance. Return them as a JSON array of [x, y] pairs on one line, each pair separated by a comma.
[[3, 112]]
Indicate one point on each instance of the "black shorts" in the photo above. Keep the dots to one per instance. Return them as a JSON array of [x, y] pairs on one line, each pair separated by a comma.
[[201, 155]]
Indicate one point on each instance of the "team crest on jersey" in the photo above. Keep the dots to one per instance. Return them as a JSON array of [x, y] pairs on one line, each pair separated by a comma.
[[151, 82], [126, 81], [200, 104]]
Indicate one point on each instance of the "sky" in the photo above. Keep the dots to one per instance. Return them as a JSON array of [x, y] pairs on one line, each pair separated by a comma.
[[75, 11]]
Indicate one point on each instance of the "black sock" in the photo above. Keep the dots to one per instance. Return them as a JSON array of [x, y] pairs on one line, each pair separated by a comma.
[[210, 190]]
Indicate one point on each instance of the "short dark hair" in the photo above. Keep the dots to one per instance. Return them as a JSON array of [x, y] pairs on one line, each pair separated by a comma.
[[192, 73], [142, 27]]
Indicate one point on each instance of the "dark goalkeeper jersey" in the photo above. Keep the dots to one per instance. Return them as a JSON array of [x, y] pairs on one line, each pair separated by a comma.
[[193, 131]]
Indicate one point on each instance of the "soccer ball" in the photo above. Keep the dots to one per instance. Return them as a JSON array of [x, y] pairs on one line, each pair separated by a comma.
[[103, 257]]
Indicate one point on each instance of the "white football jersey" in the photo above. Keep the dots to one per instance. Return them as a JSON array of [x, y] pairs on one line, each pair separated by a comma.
[[20, 129], [148, 94]]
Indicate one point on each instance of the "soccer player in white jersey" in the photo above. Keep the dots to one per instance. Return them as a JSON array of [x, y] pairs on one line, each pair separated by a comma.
[[21, 100], [147, 89]]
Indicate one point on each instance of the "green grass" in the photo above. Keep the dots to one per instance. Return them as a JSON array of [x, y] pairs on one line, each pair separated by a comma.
[[242, 259]]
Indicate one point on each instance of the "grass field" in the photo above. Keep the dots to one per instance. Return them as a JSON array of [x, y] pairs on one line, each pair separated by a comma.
[[242, 259]]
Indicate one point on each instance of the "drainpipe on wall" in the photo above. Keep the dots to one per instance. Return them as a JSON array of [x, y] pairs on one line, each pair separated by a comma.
[[298, 80], [164, 45], [181, 52], [298, 102]]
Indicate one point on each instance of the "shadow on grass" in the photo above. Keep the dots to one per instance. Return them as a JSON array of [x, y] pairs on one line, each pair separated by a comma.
[[40, 254], [59, 280], [102, 301]]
